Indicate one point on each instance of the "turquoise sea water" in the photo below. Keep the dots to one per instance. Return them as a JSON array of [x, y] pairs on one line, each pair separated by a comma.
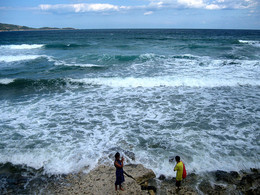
[[69, 99]]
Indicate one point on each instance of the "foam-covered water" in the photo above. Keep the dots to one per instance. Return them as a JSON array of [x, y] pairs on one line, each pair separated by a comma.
[[69, 99], [22, 46]]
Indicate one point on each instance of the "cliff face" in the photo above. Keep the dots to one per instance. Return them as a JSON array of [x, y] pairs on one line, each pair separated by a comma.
[[12, 27]]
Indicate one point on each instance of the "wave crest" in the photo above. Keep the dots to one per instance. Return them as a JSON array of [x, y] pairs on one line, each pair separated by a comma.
[[252, 43], [6, 81], [167, 81], [22, 46], [19, 58]]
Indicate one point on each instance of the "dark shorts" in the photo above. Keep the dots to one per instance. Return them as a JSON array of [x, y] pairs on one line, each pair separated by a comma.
[[178, 183]]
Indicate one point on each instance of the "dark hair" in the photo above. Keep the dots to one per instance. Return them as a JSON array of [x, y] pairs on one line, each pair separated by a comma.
[[177, 158], [117, 155]]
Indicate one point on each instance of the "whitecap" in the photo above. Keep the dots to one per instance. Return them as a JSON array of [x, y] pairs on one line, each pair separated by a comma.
[[79, 65], [19, 58], [167, 81], [6, 81], [22, 46], [147, 56], [252, 43]]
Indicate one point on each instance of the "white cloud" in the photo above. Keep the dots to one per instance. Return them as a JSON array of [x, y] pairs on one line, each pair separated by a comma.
[[148, 13], [192, 3], [152, 6], [82, 7], [204, 4], [214, 6]]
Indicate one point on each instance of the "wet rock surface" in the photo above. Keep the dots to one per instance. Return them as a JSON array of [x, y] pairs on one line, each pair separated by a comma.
[[19, 179]]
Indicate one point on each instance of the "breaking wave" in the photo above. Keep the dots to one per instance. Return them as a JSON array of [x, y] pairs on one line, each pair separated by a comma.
[[167, 81], [17, 58], [252, 43], [22, 46], [6, 81]]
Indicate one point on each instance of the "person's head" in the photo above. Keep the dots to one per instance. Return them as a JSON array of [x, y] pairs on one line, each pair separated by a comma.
[[117, 156], [177, 158]]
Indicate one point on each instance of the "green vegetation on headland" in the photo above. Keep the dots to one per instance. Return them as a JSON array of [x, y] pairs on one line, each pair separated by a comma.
[[11, 27]]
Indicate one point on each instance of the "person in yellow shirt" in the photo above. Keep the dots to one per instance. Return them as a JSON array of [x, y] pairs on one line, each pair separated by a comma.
[[179, 169]]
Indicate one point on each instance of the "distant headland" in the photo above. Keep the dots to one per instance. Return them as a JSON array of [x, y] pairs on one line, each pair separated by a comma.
[[12, 27]]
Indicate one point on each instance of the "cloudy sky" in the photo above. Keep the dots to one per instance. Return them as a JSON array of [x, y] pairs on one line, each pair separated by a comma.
[[89, 14]]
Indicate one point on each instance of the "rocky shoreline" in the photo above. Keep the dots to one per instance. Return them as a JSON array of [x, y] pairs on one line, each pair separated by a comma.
[[142, 181], [17, 179]]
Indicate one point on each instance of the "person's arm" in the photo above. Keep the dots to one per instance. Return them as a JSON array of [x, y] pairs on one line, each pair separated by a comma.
[[176, 167], [122, 162], [118, 165]]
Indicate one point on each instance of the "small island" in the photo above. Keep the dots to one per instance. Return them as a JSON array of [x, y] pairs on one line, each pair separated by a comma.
[[12, 27]]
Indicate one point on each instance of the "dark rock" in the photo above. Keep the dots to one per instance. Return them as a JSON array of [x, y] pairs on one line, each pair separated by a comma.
[[249, 184], [226, 177], [11, 181], [254, 170], [172, 159], [206, 187], [151, 188], [191, 177], [130, 155], [221, 175], [219, 188], [145, 186], [234, 174], [248, 180], [253, 191], [162, 177]]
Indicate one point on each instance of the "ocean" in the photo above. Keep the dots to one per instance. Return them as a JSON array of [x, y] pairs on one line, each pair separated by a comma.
[[69, 100]]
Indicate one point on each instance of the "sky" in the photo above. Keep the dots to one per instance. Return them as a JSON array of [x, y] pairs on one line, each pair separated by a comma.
[[110, 14]]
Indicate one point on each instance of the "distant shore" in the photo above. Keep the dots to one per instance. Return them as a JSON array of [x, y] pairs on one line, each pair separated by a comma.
[[12, 27]]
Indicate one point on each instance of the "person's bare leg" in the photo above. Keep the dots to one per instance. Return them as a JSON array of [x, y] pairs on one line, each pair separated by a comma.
[[120, 187]]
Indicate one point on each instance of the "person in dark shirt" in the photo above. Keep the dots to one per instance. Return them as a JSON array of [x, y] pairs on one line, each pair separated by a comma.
[[119, 171]]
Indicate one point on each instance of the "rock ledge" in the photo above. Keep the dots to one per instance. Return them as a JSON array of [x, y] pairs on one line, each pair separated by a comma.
[[101, 181]]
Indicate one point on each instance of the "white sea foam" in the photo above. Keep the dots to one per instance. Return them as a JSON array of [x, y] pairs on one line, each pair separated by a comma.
[[6, 81], [19, 58], [61, 161], [252, 43], [62, 63], [65, 132], [166, 81], [188, 56], [148, 56], [22, 46]]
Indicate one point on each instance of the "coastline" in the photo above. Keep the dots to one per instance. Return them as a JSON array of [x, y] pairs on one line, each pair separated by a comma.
[[12, 27], [38, 29], [138, 180]]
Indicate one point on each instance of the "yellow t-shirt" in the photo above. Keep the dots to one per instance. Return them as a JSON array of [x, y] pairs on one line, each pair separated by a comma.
[[179, 169]]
